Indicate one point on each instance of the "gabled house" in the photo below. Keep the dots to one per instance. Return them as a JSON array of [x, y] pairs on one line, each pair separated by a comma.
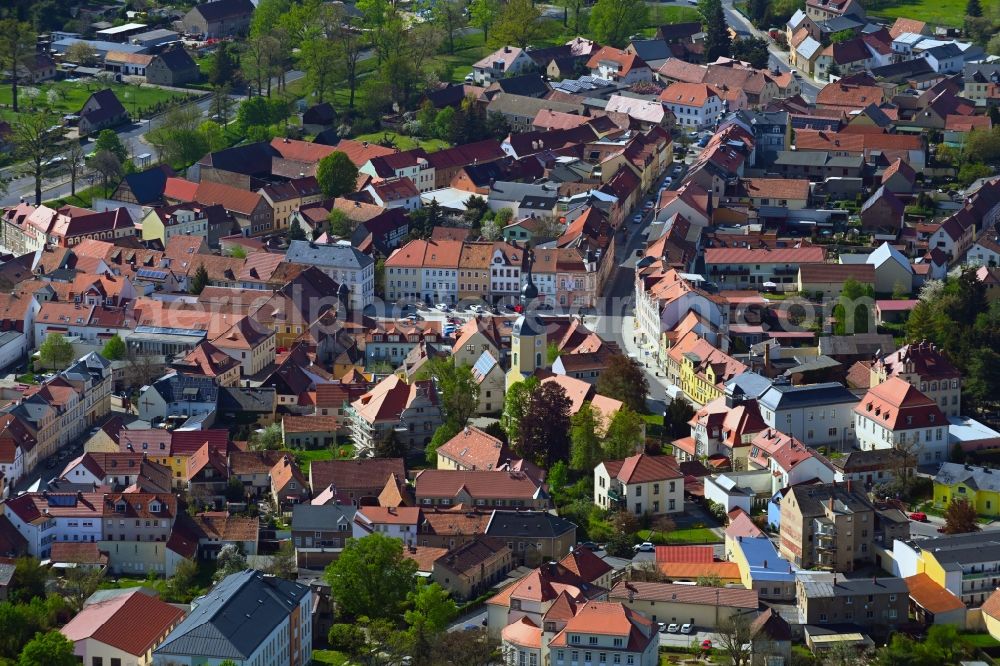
[[640, 484], [101, 111], [624, 67], [896, 414], [504, 62]]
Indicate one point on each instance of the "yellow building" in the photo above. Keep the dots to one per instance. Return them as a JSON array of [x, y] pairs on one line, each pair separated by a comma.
[[704, 370], [977, 485]]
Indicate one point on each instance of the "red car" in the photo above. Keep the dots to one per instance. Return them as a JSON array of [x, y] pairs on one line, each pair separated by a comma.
[[706, 644], [919, 516]]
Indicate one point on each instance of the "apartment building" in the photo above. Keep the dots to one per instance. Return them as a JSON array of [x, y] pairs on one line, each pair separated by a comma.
[[342, 263], [412, 164], [674, 603], [759, 268], [879, 603], [927, 369], [814, 414], [967, 565], [894, 414], [694, 105], [479, 488], [392, 407], [597, 632], [829, 526], [264, 620], [44, 518]]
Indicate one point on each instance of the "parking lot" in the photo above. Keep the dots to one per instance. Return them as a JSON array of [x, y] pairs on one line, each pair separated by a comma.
[[686, 640]]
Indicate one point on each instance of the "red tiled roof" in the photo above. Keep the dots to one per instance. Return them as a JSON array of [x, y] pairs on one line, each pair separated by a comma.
[[114, 622], [688, 554]]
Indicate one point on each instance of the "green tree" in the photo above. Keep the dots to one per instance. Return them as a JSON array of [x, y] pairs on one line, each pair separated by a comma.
[[319, 59], [613, 22], [853, 309], [624, 379], [177, 140], [29, 579], [17, 45], [268, 439], [543, 435], [518, 24], [267, 16], [679, 413], [283, 564], [108, 140], [199, 280], [390, 446], [230, 560], [585, 446], [295, 231], [114, 349], [35, 144], [624, 434], [223, 66], [973, 8], [483, 14], [444, 122], [456, 386], [341, 225], [516, 401], [841, 36], [181, 586], [717, 40], [983, 382], [371, 578], [349, 638], [213, 136], [48, 649], [78, 584], [752, 50], [431, 608], [960, 517], [445, 432], [336, 174], [573, 10], [449, 16], [55, 352]]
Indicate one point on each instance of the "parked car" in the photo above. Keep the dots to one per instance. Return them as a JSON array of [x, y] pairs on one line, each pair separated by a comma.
[[677, 170], [663, 627], [443, 307], [919, 516], [706, 644], [673, 628], [589, 545], [644, 547], [703, 141], [470, 77], [667, 182], [637, 218], [686, 628]]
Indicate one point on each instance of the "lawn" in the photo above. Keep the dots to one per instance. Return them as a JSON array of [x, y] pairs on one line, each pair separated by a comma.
[[306, 457], [72, 95], [332, 657], [934, 12], [660, 15], [680, 536], [404, 142], [980, 640]]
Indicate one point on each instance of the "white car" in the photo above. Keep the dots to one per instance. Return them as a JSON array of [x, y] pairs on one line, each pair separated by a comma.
[[686, 628], [662, 627], [644, 547], [443, 307], [667, 182], [673, 628], [470, 77], [637, 218]]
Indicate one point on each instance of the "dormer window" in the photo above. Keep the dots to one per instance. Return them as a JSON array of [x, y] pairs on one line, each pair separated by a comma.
[[120, 507], [154, 507]]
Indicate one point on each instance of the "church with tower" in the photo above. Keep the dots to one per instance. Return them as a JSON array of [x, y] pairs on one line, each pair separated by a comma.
[[528, 338]]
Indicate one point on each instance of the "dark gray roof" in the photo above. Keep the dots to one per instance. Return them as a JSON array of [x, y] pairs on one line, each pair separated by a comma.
[[310, 518], [784, 396], [336, 255], [237, 399], [531, 85], [839, 23], [857, 586], [864, 344], [651, 49], [948, 50], [814, 500], [177, 388], [860, 461], [527, 524], [235, 617], [222, 9], [176, 59], [900, 71], [147, 186], [955, 550]]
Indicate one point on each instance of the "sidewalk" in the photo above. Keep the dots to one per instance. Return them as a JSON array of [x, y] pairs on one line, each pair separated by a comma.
[[646, 357]]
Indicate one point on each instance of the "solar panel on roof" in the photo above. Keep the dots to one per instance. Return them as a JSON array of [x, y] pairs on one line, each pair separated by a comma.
[[483, 366], [151, 274]]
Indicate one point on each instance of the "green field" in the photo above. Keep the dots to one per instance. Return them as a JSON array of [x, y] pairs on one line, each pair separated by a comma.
[[934, 12], [331, 657], [71, 96], [680, 536], [404, 142]]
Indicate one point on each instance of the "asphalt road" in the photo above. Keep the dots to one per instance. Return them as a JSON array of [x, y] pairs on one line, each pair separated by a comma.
[[132, 136]]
